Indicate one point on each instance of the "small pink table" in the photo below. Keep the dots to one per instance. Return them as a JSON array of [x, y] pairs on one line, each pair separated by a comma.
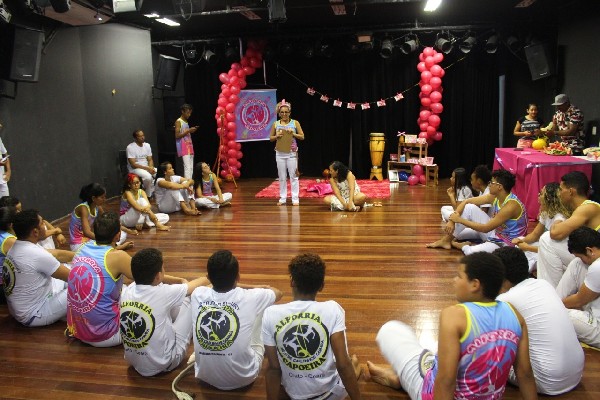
[[534, 169]]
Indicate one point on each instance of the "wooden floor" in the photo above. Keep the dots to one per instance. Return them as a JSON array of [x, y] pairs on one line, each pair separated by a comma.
[[377, 268]]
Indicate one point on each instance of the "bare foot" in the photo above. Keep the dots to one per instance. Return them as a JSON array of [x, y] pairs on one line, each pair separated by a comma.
[[296, 204], [279, 203], [162, 227], [443, 243], [225, 204], [384, 375], [125, 246], [460, 245], [356, 366], [139, 227]]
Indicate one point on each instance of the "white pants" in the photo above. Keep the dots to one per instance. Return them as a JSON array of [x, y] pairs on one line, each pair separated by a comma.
[[4, 189], [171, 202], [54, 308], [205, 201], [133, 217], [446, 211], [474, 214], [188, 166], [287, 164], [585, 323], [147, 179], [553, 258], [401, 348]]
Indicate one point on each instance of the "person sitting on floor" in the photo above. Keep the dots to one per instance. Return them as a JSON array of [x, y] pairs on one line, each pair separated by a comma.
[[553, 254], [227, 319], [346, 193], [173, 193], [479, 340], [508, 221], [556, 356], [579, 287], [7, 239], [34, 278], [163, 303], [95, 284], [459, 190], [135, 209], [305, 340], [204, 183]]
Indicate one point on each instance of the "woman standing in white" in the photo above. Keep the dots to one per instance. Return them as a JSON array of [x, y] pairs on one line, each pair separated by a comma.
[[173, 193], [285, 132]]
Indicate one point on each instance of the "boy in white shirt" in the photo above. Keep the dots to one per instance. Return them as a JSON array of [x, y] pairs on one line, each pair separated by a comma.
[[156, 318]]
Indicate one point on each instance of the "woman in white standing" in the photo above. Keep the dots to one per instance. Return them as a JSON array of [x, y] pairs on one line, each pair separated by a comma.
[[172, 192], [286, 132]]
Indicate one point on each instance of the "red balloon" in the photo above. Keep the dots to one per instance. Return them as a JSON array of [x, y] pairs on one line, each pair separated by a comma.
[[438, 58], [437, 108], [423, 135], [428, 51], [223, 165], [435, 70], [238, 146], [234, 79], [222, 101], [231, 161], [435, 96], [413, 180], [236, 174], [230, 117], [224, 78], [236, 66], [234, 99], [226, 92], [232, 167], [430, 130], [231, 73], [231, 126], [435, 82], [442, 73], [254, 63], [249, 70], [223, 173], [417, 170], [426, 101], [421, 67], [426, 88], [234, 89], [244, 62], [238, 165], [426, 76], [422, 179], [241, 73], [424, 115], [242, 83], [438, 136], [230, 135], [434, 120], [429, 62], [423, 126], [422, 57], [220, 110], [231, 152], [231, 145], [230, 107], [239, 155]]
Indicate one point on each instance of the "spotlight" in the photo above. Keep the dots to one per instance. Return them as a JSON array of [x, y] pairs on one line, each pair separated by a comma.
[[231, 53], [191, 53], [467, 44], [514, 44], [444, 45], [387, 48], [409, 45], [209, 56], [97, 17], [491, 45]]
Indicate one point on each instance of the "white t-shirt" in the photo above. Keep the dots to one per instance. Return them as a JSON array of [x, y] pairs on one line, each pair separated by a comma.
[[556, 356], [301, 332], [147, 326], [161, 192], [592, 282], [548, 222], [463, 193], [140, 153], [3, 151], [223, 325], [28, 270]]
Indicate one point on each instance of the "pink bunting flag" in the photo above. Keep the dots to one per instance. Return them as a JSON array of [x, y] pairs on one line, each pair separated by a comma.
[[398, 97], [324, 98], [381, 103], [351, 106], [365, 106], [310, 91], [337, 103]]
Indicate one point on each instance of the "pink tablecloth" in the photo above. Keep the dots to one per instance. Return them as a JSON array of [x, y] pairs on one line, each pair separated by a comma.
[[534, 169]]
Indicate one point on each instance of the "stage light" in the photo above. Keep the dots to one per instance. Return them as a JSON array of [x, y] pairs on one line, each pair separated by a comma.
[[514, 44], [467, 44], [209, 56], [432, 5], [409, 45], [491, 45], [168, 21], [387, 48], [191, 53], [443, 44]]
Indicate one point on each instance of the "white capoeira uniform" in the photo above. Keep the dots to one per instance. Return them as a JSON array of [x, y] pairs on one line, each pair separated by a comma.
[[169, 200], [130, 217], [207, 193]]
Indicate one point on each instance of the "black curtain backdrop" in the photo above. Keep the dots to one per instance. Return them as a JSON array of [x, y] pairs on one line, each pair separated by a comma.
[[469, 121]]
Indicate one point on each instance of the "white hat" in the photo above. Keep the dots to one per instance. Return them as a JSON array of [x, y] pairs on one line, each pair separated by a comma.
[[560, 99]]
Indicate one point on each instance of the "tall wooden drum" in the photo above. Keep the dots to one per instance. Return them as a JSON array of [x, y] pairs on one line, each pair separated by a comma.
[[376, 145]]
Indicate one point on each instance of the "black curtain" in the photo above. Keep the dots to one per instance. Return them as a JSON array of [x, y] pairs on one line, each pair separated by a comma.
[[469, 121]]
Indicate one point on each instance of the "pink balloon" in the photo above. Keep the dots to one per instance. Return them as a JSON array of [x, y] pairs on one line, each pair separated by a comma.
[[234, 89], [236, 174], [244, 62], [423, 126], [435, 82], [437, 108], [426, 76], [231, 73], [422, 179], [224, 78], [231, 153], [230, 117], [438, 136], [428, 51], [249, 70], [231, 126], [429, 62], [238, 146], [219, 130], [254, 63], [223, 165], [232, 167], [239, 155], [223, 173], [434, 120], [231, 145], [435, 70], [236, 66], [442, 73], [421, 67], [435, 96], [413, 180], [430, 130], [423, 135], [234, 99], [426, 88], [426, 101], [220, 110], [424, 115], [238, 165], [226, 92], [222, 101], [217, 117], [234, 79], [242, 83], [422, 57], [417, 170], [230, 107], [438, 58], [231, 161], [241, 73], [230, 135]]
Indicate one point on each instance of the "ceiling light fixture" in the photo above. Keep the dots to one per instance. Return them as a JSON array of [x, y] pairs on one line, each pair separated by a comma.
[[209, 56], [387, 48], [168, 21], [410, 44], [468, 43], [152, 15], [432, 5], [491, 45], [444, 43]]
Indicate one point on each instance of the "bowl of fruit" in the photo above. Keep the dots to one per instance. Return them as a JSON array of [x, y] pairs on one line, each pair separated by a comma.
[[557, 149]]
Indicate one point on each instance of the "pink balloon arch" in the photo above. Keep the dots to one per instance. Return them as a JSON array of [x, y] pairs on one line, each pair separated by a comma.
[[233, 82], [431, 95]]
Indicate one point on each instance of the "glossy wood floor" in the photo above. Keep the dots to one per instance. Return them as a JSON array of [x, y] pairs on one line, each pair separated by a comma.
[[377, 268]]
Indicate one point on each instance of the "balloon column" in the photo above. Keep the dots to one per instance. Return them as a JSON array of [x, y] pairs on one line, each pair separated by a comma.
[[233, 82], [431, 94]]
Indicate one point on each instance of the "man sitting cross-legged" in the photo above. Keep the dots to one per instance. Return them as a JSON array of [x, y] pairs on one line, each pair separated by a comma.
[[553, 255], [508, 221], [479, 340], [557, 358], [579, 287]]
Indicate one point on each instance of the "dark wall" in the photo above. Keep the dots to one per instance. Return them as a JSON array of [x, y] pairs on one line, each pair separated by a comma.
[[66, 130]]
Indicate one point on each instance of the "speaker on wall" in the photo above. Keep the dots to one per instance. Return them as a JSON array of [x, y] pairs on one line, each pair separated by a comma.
[[540, 61], [168, 69], [27, 51]]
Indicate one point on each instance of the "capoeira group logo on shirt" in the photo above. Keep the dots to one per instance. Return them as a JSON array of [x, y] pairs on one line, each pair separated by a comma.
[[255, 114], [302, 341], [84, 291], [136, 324], [8, 276], [216, 327]]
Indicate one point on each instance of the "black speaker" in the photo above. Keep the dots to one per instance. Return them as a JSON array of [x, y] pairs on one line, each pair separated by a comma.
[[168, 69], [27, 51], [277, 11], [540, 62]]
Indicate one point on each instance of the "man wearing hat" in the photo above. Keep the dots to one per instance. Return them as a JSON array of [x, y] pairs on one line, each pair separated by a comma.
[[567, 123]]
